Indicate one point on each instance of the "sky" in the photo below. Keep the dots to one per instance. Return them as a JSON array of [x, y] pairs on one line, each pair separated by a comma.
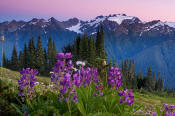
[[145, 10]]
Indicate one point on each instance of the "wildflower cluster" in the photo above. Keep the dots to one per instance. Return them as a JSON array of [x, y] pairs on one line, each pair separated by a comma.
[[170, 108], [127, 96], [67, 78], [27, 83], [114, 78], [61, 76]]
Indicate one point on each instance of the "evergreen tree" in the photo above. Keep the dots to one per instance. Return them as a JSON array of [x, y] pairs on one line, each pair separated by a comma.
[[32, 58], [140, 80], [100, 47], [67, 48], [4, 61], [149, 79], [26, 57], [46, 67], [54, 53], [76, 49], [21, 60], [159, 83], [14, 60], [40, 56], [49, 51], [91, 51], [154, 80], [133, 74], [84, 48]]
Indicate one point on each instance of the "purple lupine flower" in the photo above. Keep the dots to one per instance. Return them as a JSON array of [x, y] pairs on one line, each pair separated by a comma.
[[166, 114], [114, 78], [148, 112], [62, 77], [169, 108], [128, 96], [27, 83], [154, 114]]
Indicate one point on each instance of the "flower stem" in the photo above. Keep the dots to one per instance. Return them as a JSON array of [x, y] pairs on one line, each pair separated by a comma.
[[68, 104]]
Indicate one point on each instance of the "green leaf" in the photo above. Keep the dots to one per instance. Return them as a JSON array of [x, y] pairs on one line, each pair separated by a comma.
[[158, 111], [139, 107], [81, 108], [16, 108]]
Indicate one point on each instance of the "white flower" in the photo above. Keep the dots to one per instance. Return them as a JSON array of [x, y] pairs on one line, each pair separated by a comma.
[[74, 69], [51, 72], [80, 63], [36, 83]]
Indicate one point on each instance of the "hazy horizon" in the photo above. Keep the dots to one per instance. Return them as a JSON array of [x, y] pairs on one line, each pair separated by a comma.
[[146, 10]]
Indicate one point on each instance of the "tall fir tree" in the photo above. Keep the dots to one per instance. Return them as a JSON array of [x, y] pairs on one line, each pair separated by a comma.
[[76, 49], [46, 67], [54, 53], [159, 83], [140, 82], [21, 62], [31, 48], [49, 52], [91, 51], [40, 56], [4, 60], [14, 60], [100, 47], [149, 79], [133, 69], [154, 80], [26, 57], [84, 47]]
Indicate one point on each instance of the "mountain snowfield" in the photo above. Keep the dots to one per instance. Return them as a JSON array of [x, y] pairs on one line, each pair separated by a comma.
[[150, 43], [118, 18]]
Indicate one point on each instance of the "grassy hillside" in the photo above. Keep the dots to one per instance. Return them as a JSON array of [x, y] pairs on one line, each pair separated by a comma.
[[148, 100], [14, 76]]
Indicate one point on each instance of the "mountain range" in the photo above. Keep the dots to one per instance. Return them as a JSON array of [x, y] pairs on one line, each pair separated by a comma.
[[148, 43]]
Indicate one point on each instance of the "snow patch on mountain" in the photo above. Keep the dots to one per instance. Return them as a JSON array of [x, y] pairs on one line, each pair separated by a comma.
[[170, 24], [75, 28], [33, 23], [96, 21], [119, 18], [155, 26]]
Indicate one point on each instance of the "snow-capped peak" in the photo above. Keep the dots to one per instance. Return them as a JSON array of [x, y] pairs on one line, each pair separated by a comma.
[[170, 24], [97, 20], [119, 18], [75, 28]]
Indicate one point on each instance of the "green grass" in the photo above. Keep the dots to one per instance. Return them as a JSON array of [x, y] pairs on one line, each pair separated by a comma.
[[15, 76], [148, 100]]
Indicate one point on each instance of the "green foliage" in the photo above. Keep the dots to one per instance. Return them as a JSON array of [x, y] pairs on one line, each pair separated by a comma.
[[76, 49], [32, 50], [39, 56], [91, 51], [149, 79], [51, 51], [26, 56], [21, 61], [14, 59], [100, 47]]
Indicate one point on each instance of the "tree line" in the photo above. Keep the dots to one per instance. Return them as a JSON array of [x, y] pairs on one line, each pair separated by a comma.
[[84, 48], [138, 81], [33, 56]]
